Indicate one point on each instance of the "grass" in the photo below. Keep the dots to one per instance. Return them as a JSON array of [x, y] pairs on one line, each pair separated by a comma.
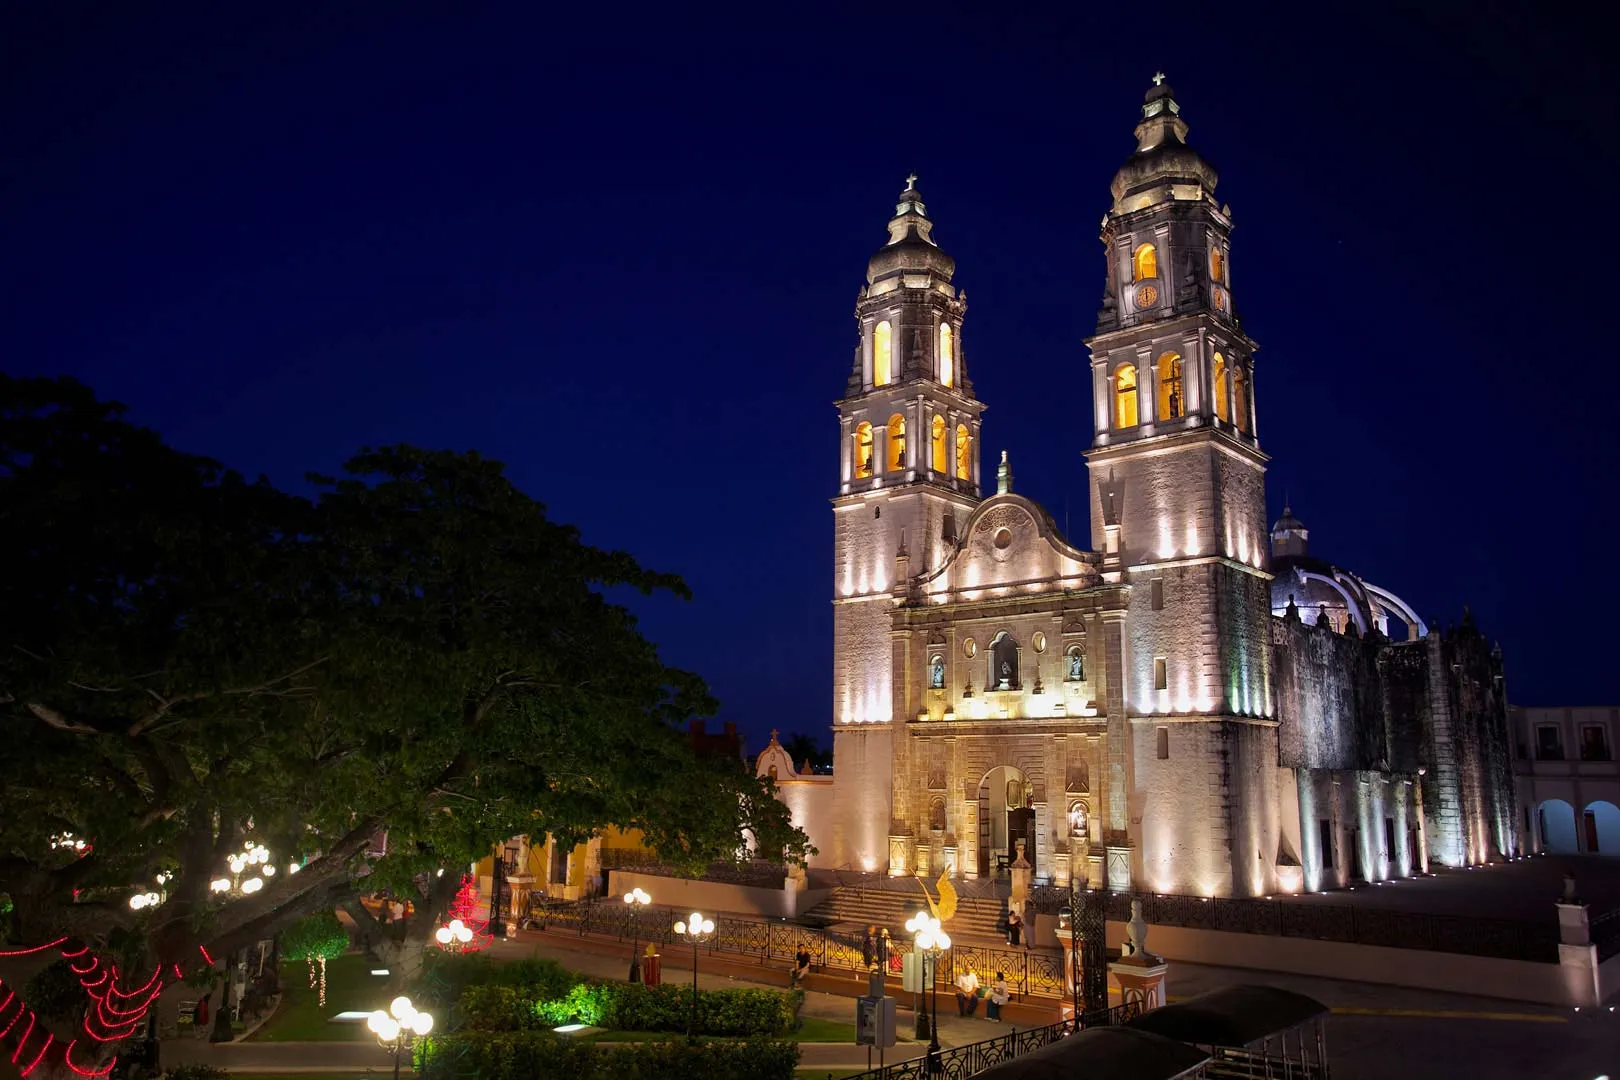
[[301, 1018], [815, 1029]]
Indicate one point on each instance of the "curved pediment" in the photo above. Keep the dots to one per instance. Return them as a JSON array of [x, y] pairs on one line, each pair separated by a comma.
[[1010, 542]]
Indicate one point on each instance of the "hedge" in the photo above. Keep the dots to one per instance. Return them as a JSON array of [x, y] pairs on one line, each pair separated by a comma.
[[534, 1055], [637, 1007]]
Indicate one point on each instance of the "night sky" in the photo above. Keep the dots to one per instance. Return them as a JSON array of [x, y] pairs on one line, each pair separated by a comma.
[[621, 253]]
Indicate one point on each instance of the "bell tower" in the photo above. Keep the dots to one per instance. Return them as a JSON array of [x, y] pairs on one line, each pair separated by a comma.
[[908, 476], [1178, 511]]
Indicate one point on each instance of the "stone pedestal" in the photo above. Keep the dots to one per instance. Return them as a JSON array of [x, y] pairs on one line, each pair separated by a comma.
[[1021, 871], [1140, 978], [1060, 869], [1094, 872], [1119, 868], [899, 847]]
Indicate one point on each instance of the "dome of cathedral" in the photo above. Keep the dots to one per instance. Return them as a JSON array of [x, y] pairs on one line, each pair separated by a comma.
[[911, 245], [1162, 154], [1288, 522]]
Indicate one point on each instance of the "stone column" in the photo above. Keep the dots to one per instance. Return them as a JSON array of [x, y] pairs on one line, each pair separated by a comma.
[[1139, 974]]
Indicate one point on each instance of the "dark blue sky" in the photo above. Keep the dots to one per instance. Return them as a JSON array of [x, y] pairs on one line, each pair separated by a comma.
[[621, 252]]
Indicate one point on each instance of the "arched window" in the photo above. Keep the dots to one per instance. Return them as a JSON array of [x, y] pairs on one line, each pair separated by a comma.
[[1240, 400], [1074, 669], [1125, 397], [947, 355], [882, 353], [897, 443], [936, 814], [1222, 398], [1217, 266], [863, 450], [1145, 263], [942, 452], [1077, 819], [1003, 663], [964, 453], [936, 672], [1171, 401]]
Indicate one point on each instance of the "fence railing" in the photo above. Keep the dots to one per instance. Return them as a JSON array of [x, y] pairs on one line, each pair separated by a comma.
[[960, 1062], [1032, 972], [759, 873], [1604, 932], [1507, 939]]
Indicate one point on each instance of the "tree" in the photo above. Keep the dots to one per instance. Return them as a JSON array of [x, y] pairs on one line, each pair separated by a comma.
[[194, 660], [315, 939], [807, 748]]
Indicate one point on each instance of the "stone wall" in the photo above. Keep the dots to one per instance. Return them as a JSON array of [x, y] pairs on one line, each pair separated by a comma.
[[1328, 698]]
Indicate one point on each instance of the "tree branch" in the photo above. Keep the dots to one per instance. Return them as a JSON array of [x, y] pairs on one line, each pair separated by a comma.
[[57, 720]]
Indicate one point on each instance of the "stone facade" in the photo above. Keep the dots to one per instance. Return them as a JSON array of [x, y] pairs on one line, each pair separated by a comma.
[[1198, 706]]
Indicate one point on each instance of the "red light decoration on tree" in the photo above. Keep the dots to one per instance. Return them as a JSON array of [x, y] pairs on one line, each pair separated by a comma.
[[465, 907], [115, 1015]]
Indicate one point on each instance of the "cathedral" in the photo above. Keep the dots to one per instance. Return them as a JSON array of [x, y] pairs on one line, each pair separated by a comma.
[[1197, 704]]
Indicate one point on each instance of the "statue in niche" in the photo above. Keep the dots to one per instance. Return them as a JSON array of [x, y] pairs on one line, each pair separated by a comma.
[[1077, 665], [936, 673]]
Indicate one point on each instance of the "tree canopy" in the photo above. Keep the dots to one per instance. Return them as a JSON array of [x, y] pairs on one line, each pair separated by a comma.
[[192, 661]]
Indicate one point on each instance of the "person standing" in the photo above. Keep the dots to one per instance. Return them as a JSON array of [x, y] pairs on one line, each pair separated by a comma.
[[1015, 927], [867, 946], [883, 951]]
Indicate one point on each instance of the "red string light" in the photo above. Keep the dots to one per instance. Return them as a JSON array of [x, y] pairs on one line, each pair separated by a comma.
[[177, 974], [206, 957], [32, 1065], [36, 948], [24, 1040], [67, 1056]]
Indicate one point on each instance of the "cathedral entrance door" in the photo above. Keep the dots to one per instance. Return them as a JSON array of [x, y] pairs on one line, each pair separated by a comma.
[[1002, 791]]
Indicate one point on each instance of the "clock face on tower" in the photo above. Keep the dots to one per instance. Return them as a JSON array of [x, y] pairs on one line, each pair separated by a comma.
[[1147, 296]]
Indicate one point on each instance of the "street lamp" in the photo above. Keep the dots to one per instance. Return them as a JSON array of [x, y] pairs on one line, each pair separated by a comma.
[[453, 936], [697, 928], [399, 1027], [252, 855], [635, 900], [931, 940]]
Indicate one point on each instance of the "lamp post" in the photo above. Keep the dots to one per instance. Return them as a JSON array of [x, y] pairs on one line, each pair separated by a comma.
[[399, 1027], [453, 936], [930, 940], [697, 928], [635, 900]]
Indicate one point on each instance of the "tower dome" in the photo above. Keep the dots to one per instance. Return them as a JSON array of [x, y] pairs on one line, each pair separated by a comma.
[[911, 245], [1163, 166], [1289, 537]]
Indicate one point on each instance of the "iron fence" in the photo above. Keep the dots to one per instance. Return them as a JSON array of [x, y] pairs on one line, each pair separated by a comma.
[[1032, 972], [1508, 939], [756, 872], [960, 1062], [1604, 931]]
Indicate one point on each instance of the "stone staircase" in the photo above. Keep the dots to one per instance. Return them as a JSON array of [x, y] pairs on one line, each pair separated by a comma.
[[854, 907]]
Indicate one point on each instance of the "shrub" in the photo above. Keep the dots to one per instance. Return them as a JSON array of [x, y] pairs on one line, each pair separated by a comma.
[[196, 1072], [637, 1007], [523, 1055], [490, 1007], [56, 993]]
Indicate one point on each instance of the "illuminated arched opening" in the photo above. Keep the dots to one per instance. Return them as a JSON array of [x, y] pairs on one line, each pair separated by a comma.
[[1217, 265], [1240, 400], [1172, 402], [1223, 407], [897, 443], [863, 450], [1145, 263], [882, 353], [964, 453], [947, 355], [1555, 824], [942, 455], [1125, 397]]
